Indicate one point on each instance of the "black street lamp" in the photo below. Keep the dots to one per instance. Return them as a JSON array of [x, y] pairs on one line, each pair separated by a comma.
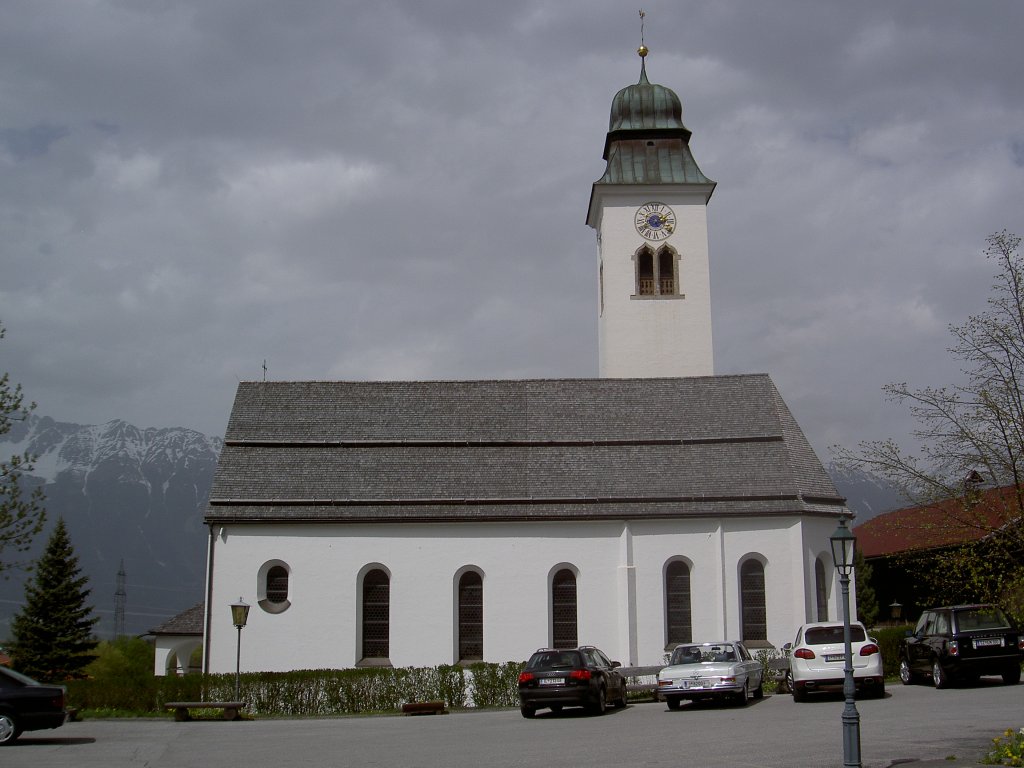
[[844, 545], [239, 615]]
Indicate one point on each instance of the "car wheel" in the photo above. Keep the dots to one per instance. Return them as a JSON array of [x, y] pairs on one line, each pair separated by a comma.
[[743, 696], [620, 703], [600, 705], [879, 692], [528, 712], [1011, 675], [673, 702], [9, 729], [787, 682], [939, 676], [759, 691], [799, 694], [906, 673]]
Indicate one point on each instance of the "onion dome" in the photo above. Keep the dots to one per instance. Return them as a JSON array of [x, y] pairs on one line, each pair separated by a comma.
[[647, 142]]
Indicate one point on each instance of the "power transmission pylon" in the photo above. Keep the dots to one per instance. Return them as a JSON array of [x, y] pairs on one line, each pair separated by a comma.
[[119, 600]]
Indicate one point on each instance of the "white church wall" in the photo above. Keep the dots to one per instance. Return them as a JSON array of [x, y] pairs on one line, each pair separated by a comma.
[[620, 586], [320, 628]]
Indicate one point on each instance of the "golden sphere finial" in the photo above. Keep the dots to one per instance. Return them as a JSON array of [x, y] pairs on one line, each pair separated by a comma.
[[642, 50]]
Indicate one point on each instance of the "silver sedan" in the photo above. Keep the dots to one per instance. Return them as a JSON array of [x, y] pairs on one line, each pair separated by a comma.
[[722, 670]]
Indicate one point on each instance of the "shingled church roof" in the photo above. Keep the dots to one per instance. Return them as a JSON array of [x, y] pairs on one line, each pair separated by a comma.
[[558, 449]]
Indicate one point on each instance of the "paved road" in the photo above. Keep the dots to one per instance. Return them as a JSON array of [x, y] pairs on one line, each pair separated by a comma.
[[911, 723]]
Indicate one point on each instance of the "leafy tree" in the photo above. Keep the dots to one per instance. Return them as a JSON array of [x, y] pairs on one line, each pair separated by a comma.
[[126, 661], [53, 631], [971, 436], [21, 513]]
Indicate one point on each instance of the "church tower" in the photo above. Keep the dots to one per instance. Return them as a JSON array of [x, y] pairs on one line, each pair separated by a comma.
[[650, 212]]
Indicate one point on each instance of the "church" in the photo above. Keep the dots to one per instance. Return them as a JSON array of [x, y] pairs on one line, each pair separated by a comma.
[[418, 523]]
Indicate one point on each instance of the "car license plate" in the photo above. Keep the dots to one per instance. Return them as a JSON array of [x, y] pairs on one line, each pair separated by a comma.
[[834, 657], [986, 642], [552, 681]]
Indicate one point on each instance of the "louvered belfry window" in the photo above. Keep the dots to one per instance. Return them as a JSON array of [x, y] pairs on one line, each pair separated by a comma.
[[755, 615], [471, 617], [819, 590], [563, 609], [678, 615], [376, 614]]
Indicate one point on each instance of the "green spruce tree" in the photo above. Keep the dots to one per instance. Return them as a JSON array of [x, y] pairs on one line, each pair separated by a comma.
[[53, 637], [867, 602]]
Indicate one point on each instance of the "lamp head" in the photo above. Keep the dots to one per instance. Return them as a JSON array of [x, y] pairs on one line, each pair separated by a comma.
[[239, 613], [844, 546]]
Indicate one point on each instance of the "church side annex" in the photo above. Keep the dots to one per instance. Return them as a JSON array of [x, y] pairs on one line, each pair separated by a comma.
[[424, 523]]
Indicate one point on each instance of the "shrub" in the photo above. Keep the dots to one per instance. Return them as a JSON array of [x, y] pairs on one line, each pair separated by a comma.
[[889, 643], [1006, 750], [115, 686]]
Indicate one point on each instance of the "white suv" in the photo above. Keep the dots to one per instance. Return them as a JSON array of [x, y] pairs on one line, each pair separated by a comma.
[[817, 660]]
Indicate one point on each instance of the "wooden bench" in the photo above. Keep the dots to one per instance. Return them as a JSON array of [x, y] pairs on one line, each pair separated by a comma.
[[232, 709], [424, 708], [639, 687]]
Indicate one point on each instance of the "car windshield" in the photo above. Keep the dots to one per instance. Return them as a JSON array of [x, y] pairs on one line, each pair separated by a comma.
[[829, 635], [982, 617], [555, 660], [698, 654]]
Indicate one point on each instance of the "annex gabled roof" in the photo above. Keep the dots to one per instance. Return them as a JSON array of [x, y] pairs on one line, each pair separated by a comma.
[[560, 449], [943, 523], [188, 622]]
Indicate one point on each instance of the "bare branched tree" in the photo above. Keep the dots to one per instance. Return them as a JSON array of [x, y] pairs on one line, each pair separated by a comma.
[[970, 435]]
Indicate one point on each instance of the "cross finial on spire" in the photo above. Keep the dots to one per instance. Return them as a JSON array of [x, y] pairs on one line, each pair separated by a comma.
[[642, 50]]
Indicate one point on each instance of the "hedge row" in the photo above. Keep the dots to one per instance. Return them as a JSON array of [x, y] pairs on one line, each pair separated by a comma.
[[306, 693]]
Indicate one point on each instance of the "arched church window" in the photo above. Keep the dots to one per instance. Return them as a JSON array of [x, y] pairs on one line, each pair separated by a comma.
[[754, 615], [645, 272], [657, 273], [471, 617], [376, 614], [563, 609], [678, 615], [820, 590], [666, 272]]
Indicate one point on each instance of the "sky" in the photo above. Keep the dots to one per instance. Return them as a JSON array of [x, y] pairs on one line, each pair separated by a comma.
[[398, 190]]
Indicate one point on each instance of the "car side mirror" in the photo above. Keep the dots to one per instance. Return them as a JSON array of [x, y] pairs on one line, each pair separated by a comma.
[[616, 664], [787, 648]]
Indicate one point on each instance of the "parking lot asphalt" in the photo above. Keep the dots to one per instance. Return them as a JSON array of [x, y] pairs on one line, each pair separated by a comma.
[[913, 725]]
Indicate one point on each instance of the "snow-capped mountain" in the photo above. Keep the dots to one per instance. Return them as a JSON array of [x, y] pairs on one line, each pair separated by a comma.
[[127, 495], [867, 495]]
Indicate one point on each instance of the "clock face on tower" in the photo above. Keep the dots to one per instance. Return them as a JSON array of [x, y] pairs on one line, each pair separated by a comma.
[[655, 221]]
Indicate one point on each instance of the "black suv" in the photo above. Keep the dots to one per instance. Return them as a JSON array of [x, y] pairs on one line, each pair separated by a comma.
[[962, 642], [570, 677]]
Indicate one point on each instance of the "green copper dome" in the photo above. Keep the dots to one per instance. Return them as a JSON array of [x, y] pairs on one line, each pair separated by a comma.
[[646, 105], [647, 142]]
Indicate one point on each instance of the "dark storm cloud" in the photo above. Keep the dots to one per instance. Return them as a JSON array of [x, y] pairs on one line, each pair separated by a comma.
[[398, 190]]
